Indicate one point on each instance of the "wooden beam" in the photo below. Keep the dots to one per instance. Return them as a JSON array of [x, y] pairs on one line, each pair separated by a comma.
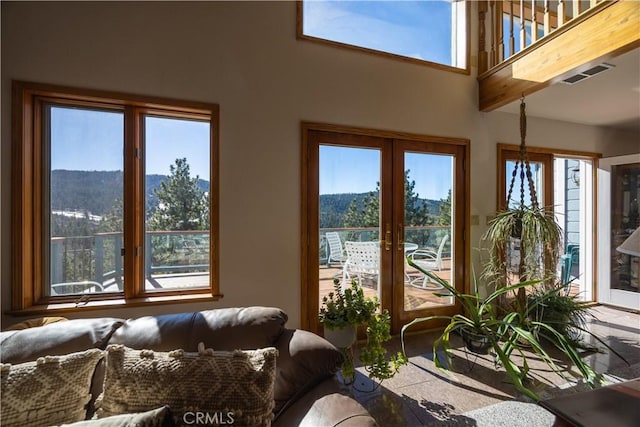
[[608, 31]]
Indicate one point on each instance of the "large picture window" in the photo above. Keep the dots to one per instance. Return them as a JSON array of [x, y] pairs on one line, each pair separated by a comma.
[[430, 32], [114, 199]]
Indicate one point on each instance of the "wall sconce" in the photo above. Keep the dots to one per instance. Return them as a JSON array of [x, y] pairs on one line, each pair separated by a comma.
[[575, 176]]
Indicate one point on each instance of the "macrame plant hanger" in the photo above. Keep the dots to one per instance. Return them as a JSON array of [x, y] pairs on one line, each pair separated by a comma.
[[523, 164]]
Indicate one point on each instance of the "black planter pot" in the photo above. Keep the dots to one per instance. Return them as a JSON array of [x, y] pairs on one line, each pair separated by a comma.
[[475, 343]]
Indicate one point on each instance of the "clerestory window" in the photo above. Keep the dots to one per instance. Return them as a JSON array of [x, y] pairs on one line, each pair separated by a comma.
[[114, 199], [432, 32]]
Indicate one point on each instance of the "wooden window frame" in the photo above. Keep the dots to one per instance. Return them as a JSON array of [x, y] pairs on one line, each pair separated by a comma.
[[27, 216], [466, 70]]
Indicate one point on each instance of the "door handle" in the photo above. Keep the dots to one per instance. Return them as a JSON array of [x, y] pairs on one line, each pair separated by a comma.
[[387, 240], [400, 238]]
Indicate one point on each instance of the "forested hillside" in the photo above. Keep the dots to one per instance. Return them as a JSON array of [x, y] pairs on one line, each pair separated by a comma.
[[334, 207], [96, 192]]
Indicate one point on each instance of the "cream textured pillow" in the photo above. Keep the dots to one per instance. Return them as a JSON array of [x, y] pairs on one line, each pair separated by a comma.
[[215, 387], [160, 417], [51, 390]]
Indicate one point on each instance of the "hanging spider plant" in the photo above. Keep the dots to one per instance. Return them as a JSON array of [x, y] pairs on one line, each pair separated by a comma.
[[524, 241]]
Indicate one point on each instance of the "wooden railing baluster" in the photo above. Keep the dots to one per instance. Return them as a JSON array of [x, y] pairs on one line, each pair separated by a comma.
[[534, 22], [482, 48], [492, 17], [560, 13], [523, 28], [500, 33], [576, 9], [547, 18], [512, 39]]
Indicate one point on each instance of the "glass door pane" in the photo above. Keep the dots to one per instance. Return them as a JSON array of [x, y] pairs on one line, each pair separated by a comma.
[[573, 208], [349, 218], [428, 230], [625, 217], [619, 231], [177, 171], [85, 200]]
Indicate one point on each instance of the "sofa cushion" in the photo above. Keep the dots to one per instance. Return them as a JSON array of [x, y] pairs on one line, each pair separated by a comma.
[[236, 387], [48, 391], [33, 323], [223, 329], [160, 417], [56, 339]]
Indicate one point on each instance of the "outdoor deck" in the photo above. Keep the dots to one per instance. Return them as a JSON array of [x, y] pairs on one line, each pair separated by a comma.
[[415, 298]]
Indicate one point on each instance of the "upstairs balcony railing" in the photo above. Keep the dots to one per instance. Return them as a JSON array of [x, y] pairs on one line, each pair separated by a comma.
[[511, 26]]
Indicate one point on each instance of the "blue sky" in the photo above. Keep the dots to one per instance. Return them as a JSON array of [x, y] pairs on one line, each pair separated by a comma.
[[356, 170], [418, 29], [93, 140]]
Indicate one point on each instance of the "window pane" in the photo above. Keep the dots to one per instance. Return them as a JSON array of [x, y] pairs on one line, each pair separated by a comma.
[[85, 200], [428, 230], [177, 170], [428, 30], [521, 187], [349, 218]]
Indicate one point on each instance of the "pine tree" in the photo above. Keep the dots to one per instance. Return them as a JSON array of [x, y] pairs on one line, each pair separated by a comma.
[[444, 217], [416, 212], [182, 205]]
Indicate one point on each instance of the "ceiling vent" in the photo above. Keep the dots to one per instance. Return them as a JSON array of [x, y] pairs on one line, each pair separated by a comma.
[[588, 73]]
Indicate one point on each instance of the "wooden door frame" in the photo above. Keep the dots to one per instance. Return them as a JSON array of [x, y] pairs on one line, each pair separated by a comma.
[[309, 286]]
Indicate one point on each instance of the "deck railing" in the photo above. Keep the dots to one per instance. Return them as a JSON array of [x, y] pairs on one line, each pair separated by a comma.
[[99, 257], [511, 26], [426, 237]]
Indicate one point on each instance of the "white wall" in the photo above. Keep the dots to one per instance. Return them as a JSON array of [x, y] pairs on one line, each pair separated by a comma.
[[245, 57]]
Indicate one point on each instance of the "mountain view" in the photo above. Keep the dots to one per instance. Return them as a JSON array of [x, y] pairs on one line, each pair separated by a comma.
[[96, 192]]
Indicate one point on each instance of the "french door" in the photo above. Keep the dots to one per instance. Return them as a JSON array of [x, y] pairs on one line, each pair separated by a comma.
[[618, 225], [372, 199]]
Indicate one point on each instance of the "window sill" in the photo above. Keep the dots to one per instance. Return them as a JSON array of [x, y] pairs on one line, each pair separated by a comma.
[[73, 307]]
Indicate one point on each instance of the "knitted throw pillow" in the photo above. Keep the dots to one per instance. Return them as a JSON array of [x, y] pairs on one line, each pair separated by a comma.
[[212, 387], [160, 417], [52, 390]]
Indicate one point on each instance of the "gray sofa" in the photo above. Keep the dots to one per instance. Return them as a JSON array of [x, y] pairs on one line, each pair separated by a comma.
[[306, 390]]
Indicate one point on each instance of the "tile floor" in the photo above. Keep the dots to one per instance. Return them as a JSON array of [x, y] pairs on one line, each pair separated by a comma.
[[421, 394]]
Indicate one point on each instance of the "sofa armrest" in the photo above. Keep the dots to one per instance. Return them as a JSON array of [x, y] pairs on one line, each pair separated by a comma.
[[304, 360], [325, 406]]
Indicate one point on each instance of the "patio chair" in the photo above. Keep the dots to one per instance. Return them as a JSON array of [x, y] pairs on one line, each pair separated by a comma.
[[430, 261], [569, 262], [336, 252], [363, 260]]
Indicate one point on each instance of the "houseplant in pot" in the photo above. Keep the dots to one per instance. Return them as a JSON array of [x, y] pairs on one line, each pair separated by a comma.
[[342, 312], [507, 334]]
